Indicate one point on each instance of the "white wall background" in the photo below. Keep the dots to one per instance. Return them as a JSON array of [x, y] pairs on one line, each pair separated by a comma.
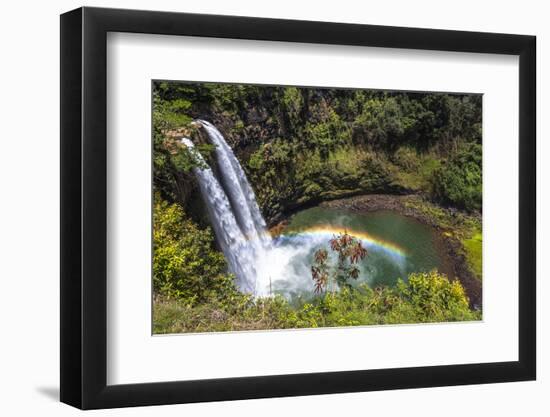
[[29, 218]]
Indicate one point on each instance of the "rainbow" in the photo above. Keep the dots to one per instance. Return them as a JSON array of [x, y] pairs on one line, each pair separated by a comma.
[[329, 231]]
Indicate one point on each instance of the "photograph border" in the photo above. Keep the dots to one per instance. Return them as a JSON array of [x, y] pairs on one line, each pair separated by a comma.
[[83, 312]]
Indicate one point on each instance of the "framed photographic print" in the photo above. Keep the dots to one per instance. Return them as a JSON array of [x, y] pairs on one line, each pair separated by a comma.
[[256, 208]]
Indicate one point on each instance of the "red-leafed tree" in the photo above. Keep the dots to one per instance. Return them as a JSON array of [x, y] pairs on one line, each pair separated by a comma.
[[349, 251]]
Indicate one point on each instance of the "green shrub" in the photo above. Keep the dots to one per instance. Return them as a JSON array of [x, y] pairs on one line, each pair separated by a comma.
[[326, 135], [170, 114], [459, 180], [291, 106], [185, 264], [382, 122], [434, 298]]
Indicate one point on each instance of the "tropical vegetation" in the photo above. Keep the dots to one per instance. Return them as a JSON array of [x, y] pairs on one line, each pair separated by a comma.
[[299, 147]]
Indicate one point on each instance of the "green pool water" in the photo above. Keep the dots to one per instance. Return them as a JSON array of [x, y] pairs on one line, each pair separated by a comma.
[[397, 245]]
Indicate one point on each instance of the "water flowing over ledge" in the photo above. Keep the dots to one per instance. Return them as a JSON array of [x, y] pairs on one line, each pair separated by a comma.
[[263, 265], [238, 224]]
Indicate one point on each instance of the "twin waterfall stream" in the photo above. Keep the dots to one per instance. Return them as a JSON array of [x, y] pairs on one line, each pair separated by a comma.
[[236, 219]]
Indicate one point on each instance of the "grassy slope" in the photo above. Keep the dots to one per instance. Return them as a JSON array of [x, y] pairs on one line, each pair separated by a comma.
[[417, 179], [473, 247]]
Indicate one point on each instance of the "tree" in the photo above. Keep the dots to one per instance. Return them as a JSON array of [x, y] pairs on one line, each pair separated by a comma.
[[320, 270], [349, 251], [459, 180], [382, 123]]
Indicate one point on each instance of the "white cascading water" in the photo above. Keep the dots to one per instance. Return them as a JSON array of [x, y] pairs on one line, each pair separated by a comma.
[[241, 255], [238, 188]]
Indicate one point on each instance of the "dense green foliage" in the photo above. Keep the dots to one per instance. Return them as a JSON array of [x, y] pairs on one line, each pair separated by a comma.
[[185, 264], [459, 181], [303, 145], [425, 297]]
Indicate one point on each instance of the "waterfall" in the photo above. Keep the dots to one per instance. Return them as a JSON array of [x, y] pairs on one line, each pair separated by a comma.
[[238, 188], [238, 224], [238, 250]]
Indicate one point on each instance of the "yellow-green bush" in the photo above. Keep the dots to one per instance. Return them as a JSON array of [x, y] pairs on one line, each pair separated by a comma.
[[185, 265]]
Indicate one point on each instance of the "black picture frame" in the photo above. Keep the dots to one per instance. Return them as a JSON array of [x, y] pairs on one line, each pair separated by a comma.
[[84, 207]]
